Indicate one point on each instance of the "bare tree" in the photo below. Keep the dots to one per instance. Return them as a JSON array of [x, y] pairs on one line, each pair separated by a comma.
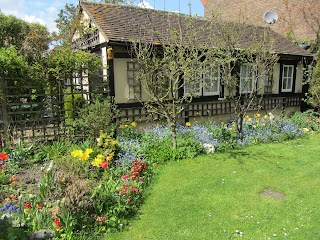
[[174, 60], [246, 58], [303, 15], [311, 14]]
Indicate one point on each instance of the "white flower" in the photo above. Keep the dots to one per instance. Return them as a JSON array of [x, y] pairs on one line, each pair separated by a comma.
[[50, 166], [16, 223], [209, 147], [5, 216]]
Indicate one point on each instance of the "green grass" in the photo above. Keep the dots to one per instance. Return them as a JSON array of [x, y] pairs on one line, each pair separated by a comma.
[[212, 196]]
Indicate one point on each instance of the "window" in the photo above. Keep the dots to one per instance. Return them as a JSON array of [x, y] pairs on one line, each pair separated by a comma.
[[133, 84], [211, 82], [268, 82], [287, 78], [192, 88], [246, 80], [207, 85], [76, 80]]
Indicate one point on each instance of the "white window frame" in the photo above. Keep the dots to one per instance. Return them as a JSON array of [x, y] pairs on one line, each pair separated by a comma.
[[247, 77], [209, 80], [77, 81], [190, 85], [287, 78]]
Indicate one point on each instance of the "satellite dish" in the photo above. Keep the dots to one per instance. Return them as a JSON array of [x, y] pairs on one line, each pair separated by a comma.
[[270, 17]]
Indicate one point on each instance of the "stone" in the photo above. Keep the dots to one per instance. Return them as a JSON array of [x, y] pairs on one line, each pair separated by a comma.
[[42, 234]]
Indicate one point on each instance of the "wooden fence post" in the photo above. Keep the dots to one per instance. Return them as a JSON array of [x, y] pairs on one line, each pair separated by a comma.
[[4, 110]]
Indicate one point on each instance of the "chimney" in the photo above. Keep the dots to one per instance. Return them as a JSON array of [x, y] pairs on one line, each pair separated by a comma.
[[204, 2]]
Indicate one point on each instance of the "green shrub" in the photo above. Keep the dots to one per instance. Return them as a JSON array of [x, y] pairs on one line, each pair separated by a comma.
[[95, 117], [308, 119], [160, 150], [72, 104]]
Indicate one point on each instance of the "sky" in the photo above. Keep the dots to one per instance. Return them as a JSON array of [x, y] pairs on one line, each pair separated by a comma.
[[46, 11]]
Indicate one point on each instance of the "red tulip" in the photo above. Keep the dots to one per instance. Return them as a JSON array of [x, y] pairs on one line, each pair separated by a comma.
[[3, 156], [104, 165], [57, 222]]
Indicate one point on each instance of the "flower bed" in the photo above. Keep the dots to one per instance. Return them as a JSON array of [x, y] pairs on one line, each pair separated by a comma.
[[86, 189]]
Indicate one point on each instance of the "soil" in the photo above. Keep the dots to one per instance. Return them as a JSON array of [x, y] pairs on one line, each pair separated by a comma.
[[273, 194], [30, 177]]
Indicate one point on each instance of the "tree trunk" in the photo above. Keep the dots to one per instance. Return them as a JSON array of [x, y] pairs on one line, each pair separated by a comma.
[[174, 134], [240, 126]]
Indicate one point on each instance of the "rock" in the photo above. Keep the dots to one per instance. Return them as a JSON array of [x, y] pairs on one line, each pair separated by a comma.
[[41, 235]]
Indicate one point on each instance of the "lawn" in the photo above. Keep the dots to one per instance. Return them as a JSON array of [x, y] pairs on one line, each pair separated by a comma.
[[261, 192]]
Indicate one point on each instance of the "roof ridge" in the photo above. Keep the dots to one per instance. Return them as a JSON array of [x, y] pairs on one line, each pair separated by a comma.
[[137, 7]]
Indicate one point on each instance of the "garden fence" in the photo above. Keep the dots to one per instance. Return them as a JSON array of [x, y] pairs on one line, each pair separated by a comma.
[[43, 111]]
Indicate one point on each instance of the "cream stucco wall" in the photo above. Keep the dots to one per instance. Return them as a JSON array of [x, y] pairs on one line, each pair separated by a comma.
[[120, 80], [121, 83], [276, 79]]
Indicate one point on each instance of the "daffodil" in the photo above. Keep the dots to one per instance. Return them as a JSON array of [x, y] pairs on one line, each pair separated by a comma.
[[88, 151], [188, 124], [76, 153], [257, 115], [133, 124], [97, 161]]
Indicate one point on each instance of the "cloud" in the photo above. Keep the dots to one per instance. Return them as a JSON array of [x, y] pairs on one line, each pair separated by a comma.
[[11, 5], [52, 10], [33, 19], [145, 4]]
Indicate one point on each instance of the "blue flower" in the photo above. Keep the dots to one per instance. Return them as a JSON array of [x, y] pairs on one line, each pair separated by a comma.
[[11, 209], [5, 207]]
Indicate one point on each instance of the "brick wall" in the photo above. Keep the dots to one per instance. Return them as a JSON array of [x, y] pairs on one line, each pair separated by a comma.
[[291, 17]]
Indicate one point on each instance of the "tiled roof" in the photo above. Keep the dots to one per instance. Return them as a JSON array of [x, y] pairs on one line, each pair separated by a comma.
[[120, 23]]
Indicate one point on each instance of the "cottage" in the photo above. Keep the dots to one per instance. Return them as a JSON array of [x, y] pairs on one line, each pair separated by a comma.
[[114, 27]]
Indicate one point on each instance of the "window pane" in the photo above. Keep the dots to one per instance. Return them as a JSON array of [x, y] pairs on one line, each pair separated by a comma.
[[289, 84], [245, 79], [211, 81], [290, 69], [284, 83], [285, 71], [243, 71], [215, 86]]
